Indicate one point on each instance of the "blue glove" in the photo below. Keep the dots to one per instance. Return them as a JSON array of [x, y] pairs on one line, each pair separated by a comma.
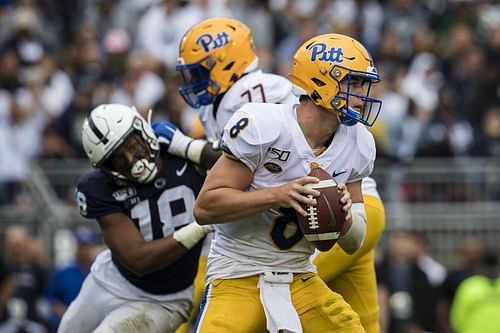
[[165, 131], [178, 143]]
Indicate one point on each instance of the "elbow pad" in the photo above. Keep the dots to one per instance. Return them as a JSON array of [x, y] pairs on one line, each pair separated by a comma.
[[352, 240]]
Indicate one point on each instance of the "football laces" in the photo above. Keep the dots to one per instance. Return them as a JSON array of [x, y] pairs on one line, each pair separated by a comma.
[[312, 215]]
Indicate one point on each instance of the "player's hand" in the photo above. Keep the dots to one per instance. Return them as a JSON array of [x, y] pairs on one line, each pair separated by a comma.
[[191, 234], [165, 131], [346, 200], [295, 193], [170, 136]]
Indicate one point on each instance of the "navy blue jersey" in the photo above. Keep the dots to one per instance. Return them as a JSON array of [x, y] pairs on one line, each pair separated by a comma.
[[157, 208]]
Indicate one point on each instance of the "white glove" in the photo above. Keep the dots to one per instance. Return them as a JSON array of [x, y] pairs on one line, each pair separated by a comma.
[[191, 234]]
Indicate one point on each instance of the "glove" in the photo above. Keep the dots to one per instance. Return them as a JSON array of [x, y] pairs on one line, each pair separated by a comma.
[[165, 131], [178, 143], [191, 234]]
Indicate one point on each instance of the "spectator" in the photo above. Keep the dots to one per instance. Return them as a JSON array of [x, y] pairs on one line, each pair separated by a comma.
[[30, 277], [23, 32], [7, 288], [477, 302], [141, 86], [403, 287], [160, 30], [471, 263], [487, 137], [66, 282], [435, 271]]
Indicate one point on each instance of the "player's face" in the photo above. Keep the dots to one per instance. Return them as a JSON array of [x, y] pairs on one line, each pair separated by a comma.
[[127, 154], [357, 86]]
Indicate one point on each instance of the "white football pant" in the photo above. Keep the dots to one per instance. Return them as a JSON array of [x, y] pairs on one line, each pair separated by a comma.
[[96, 310]]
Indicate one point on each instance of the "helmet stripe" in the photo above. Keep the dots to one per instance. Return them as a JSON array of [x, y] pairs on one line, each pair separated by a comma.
[[96, 131]]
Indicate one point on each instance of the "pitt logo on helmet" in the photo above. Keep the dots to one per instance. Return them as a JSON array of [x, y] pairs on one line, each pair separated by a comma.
[[208, 42], [319, 51]]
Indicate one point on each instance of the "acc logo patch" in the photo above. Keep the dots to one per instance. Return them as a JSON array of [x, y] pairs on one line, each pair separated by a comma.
[[273, 167], [319, 51], [124, 193], [209, 42]]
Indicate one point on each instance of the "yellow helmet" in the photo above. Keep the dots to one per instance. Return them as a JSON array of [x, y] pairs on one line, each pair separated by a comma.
[[320, 65], [214, 54]]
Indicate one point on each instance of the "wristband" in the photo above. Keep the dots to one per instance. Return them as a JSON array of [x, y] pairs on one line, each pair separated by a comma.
[[179, 144], [352, 240], [194, 149]]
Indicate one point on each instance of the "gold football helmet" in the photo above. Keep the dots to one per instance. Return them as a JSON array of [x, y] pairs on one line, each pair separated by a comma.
[[324, 68], [213, 55]]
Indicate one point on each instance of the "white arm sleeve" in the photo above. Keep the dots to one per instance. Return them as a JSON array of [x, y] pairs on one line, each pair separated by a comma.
[[354, 237]]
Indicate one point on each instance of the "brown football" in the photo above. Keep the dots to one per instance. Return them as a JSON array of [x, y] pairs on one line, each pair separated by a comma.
[[325, 221]]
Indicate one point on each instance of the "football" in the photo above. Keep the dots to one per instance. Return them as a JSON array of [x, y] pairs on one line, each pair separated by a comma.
[[325, 221]]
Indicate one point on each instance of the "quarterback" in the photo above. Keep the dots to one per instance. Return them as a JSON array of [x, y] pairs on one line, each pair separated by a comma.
[[218, 93], [259, 259], [142, 198]]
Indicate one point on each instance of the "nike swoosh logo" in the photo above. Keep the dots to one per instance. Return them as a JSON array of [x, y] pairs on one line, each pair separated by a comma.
[[180, 172], [332, 221], [304, 279], [335, 174]]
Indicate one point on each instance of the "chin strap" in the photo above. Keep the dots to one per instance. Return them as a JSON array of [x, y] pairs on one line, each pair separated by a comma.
[[347, 119], [143, 170]]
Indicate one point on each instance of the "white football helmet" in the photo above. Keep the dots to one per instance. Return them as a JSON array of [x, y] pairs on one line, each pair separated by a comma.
[[106, 128]]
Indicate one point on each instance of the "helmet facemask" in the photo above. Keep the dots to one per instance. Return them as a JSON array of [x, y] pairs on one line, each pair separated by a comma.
[[198, 89], [141, 169], [370, 107]]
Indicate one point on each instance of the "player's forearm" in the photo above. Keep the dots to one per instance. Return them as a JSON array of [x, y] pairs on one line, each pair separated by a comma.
[[152, 256], [224, 205], [209, 155]]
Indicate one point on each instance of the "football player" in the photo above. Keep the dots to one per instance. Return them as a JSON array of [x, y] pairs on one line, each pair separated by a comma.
[[142, 198], [259, 272], [233, 79]]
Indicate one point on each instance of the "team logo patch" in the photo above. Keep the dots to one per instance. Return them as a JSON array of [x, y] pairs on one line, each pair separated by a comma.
[[273, 167], [124, 193], [209, 42], [160, 182], [319, 52]]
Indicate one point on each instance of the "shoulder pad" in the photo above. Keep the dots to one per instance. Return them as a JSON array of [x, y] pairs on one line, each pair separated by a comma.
[[252, 130]]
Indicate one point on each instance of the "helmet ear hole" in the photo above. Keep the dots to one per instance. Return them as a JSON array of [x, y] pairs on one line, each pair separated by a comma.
[[229, 66], [315, 97], [318, 82]]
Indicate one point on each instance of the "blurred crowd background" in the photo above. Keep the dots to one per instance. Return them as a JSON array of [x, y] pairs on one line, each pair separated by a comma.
[[440, 66]]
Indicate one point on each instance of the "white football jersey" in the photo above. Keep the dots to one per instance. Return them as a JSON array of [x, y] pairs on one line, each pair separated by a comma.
[[255, 87], [268, 139]]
